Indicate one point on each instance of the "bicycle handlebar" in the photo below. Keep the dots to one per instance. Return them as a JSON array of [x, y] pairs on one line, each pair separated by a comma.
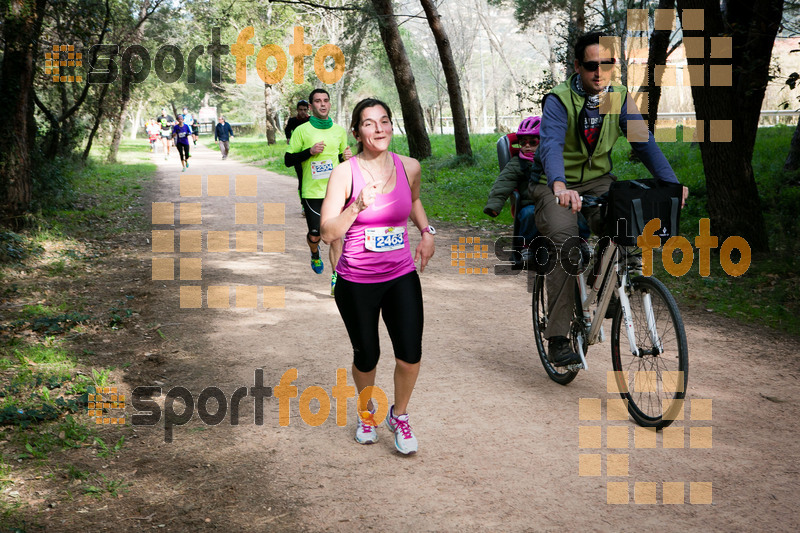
[[589, 201]]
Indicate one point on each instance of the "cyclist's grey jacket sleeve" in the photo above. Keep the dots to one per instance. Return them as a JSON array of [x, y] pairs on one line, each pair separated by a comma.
[[511, 177]]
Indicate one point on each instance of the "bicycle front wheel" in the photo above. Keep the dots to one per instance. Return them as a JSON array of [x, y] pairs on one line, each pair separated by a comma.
[[652, 380]]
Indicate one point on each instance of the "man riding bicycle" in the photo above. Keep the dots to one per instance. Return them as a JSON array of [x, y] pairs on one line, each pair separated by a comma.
[[575, 150]]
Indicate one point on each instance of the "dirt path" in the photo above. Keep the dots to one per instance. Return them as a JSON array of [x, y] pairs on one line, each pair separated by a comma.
[[499, 445]]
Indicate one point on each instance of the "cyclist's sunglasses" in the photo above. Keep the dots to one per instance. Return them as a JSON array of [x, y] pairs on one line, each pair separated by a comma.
[[592, 66], [532, 141]]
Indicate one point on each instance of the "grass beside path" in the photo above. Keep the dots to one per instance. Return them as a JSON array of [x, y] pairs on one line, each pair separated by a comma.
[[455, 191], [59, 299]]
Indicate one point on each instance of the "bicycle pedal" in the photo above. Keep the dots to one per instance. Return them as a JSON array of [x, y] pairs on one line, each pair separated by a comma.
[[575, 367]]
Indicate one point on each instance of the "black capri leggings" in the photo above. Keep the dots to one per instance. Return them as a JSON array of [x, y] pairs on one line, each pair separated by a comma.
[[400, 302], [183, 151]]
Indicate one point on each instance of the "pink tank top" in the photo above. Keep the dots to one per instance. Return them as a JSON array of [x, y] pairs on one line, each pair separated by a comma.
[[376, 246]]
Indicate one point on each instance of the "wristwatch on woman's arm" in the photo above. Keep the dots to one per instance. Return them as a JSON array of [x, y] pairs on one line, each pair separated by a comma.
[[428, 229]]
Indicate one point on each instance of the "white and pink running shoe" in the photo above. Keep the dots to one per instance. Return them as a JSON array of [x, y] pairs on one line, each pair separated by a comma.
[[404, 439], [366, 431]]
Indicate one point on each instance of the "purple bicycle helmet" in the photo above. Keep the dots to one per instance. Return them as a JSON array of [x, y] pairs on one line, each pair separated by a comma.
[[529, 126]]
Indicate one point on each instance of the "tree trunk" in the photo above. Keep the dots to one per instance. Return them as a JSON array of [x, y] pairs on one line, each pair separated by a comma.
[[419, 145], [119, 120], [22, 24], [552, 58], [793, 159], [136, 120], [269, 115], [460, 128], [97, 119], [656, 55], [733, 201], [575, 30], [494, 93], [119, 123], [352, 54]]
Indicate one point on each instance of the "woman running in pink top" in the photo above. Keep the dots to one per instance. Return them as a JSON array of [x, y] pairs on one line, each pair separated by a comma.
[[368, 204]]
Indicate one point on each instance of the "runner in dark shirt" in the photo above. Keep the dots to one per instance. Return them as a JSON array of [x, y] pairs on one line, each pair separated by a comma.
[[291, 124]]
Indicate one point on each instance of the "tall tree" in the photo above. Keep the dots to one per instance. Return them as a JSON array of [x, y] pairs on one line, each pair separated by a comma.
[[460, 128], [657, 55], [419, 144], [751, 26], [22, 25], [527, 12], [134, 37]]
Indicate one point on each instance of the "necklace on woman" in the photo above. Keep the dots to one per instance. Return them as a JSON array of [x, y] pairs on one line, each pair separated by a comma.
[[381, 171]]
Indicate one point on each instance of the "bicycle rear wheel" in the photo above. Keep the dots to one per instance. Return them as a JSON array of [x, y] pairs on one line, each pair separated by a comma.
[[653, 381], [560, 375]]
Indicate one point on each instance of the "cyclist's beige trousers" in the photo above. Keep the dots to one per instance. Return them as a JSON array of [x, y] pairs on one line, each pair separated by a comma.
[[559, 224]]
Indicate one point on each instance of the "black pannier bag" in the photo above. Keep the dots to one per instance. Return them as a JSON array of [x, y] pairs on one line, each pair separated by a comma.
[[633, 203]]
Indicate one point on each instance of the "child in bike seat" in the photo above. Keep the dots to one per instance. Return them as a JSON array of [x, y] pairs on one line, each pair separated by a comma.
[[516, 174]]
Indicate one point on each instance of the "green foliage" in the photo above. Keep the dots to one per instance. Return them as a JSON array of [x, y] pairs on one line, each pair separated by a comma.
[[119, 313], [101, 378], [54, 182], [106, 486], [109, 193], [51, 324], [106, 452], [256, 151], [74, 473], [15, 248]]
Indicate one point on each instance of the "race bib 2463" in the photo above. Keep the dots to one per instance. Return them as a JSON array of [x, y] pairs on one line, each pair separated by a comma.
[[384, 239]]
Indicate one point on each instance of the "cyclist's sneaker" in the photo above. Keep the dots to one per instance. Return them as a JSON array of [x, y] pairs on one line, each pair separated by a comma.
[[316, 263], [366, 430], [560, 353], [334, 278], [404, 439]]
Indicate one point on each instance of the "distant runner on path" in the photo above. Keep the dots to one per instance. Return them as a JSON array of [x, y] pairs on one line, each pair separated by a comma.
[[222, 134], [165, 122], [181, 133]]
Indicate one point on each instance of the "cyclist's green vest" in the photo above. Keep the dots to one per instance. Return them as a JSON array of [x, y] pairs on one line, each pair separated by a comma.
[[579, 165]]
